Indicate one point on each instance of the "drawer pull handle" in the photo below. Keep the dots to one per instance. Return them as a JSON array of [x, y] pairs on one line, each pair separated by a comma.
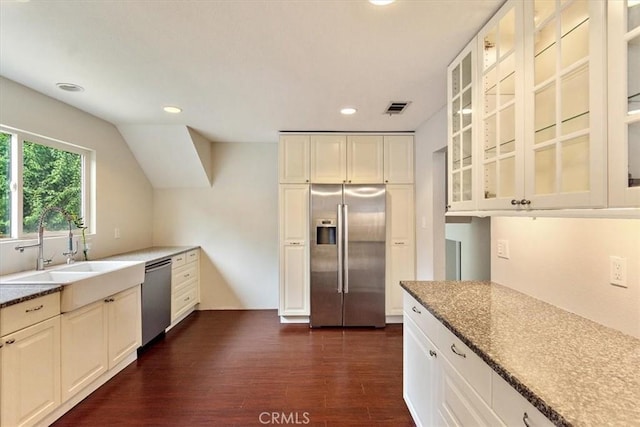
[[29, 310], [186, 275], [109, 300], [415, 310], [455, 350], [187, 299], [11, 341], [525, 420], [433, 353]]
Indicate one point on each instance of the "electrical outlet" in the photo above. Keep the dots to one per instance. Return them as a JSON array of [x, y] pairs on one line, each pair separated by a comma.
[[503, 249], [618, 271], [116, 233]]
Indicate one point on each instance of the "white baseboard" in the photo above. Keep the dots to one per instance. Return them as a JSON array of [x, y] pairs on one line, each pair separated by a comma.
[[394, 319], [294, 319]]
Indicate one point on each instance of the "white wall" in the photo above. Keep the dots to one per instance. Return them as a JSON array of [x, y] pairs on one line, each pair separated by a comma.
[[430, 140], [124, 195], [565, 261], [235, 222]]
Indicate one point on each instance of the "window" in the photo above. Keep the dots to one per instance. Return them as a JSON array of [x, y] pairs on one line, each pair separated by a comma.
[[35, 173]]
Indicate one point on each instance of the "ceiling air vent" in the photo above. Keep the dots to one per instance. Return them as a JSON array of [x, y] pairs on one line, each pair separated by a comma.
[[396, 108]]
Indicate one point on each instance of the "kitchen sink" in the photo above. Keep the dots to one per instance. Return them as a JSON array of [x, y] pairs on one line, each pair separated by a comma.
[[85, 282]]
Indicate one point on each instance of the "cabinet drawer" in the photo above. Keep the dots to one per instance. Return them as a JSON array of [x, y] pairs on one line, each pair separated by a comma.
[[470, 366], [183, 301], [512, 408], [178, 260], [421, 316], [183, 274], [193, 256], [28, 313]]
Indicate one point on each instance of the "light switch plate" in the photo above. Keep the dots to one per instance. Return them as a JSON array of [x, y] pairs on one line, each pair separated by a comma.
[[618, 271], [503, 249]]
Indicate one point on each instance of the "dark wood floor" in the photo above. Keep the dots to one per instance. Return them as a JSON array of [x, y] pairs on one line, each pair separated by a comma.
[[244, 368]]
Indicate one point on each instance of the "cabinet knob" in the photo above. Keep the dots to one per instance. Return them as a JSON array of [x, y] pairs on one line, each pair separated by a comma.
[[11, 341], [515, 202], [386, 181], [433, 353], [525, 201], [415, 310]]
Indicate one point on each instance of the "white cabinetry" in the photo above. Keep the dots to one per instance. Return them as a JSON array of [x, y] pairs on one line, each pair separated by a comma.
[[461, 108], [445, 383], [30, 360], [365, 159], [293, 159], [185, 283], [96, 337], [398, 159], [328, 159], [294, 250], [400, 258], [624, 103]]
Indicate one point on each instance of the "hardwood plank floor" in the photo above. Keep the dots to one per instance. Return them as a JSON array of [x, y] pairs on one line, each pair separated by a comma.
[[244, 368]]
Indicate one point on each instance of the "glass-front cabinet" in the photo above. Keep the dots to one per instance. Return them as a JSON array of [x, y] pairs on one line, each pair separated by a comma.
[[461, 102], [501, 100], [624, 102], [565, 105]]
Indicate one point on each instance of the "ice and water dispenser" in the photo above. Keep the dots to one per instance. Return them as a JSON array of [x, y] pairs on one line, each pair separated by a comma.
[[326, 232]]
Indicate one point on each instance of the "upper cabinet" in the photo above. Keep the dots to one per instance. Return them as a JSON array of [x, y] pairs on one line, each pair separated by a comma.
[[565, 105], [293, 159], [342, 158], [624, 103], [528, 130], [461, 106], [501, 141]]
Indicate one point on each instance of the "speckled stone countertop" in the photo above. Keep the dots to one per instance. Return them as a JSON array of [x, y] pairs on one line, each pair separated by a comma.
[[150, 254], [15, 294], [575, 371]]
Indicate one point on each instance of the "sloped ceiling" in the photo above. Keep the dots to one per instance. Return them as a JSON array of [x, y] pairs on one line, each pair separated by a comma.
[[241, 70]]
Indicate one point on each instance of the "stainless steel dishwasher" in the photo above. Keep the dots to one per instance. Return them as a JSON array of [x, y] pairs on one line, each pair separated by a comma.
[[156, 299]]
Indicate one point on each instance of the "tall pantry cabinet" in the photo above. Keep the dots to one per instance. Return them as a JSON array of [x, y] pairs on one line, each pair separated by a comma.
[[332, 158]]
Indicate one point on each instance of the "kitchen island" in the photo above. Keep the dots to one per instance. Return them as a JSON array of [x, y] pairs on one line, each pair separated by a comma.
[[573, 370]]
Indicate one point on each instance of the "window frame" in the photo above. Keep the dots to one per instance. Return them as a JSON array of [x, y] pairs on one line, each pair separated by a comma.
[[16, 184]]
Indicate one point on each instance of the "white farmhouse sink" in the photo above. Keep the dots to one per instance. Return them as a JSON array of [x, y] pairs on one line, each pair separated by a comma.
[[86, 282]]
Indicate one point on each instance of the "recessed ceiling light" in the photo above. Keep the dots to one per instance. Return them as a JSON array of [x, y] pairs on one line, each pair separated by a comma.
[[348, 111], [381, 2], [70, 87], [172, 109]]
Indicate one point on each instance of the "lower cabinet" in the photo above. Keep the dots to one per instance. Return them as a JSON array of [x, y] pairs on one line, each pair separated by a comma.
[[185, 283], [446, 384], [96, 337], [30, 373]]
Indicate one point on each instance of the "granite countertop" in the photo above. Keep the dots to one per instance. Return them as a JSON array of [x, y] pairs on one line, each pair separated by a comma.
[[575, 371], [14, 294], [151, 254]]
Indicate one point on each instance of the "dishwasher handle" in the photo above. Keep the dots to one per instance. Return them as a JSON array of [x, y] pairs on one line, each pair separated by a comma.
[[157, 265]]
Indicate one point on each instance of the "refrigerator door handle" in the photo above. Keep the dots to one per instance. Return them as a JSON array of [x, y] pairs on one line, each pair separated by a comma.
[[340, 257], [346, 248]]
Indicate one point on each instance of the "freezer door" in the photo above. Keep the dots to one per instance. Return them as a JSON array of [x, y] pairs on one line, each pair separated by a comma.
[[324, 238], [364, 255]]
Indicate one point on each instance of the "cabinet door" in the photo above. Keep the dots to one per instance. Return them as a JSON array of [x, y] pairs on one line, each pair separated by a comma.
[[460, 108], [294, 250], [624, 103], [398, 159], [30, 373], [328, 159], [293, 155], [84, 347], [565, 152], [501, 154], [400, 262], [365, 159], [125, 332], [420, 375]]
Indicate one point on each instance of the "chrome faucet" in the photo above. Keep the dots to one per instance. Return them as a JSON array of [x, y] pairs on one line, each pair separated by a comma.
[[41, 262]]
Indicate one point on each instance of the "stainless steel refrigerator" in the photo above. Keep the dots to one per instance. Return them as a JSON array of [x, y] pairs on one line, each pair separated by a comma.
[[347, 236]]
